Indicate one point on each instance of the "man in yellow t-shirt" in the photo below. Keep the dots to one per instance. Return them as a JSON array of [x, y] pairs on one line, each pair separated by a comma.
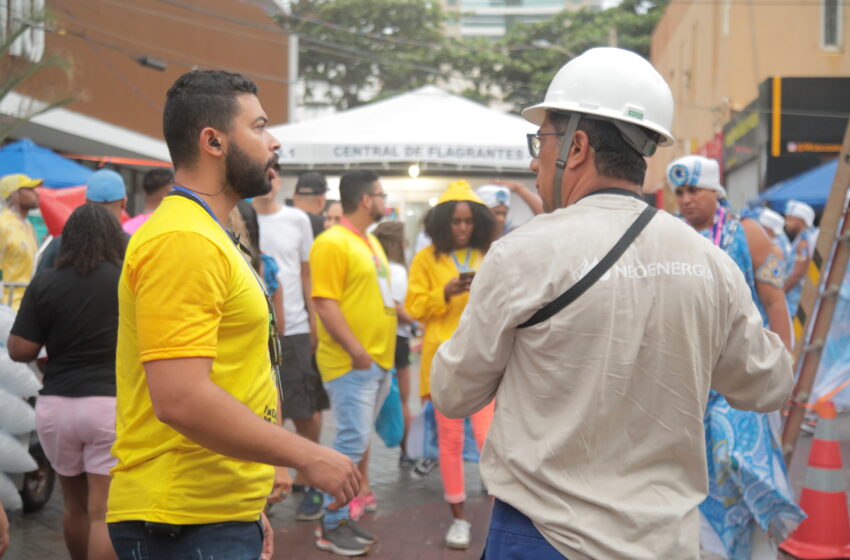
[[18, 242], [196, 434], [356, 337]]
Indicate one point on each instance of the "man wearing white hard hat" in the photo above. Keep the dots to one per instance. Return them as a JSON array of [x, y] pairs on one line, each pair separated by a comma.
[[597, 446], [18, 242], [799, 225], [744, 451]]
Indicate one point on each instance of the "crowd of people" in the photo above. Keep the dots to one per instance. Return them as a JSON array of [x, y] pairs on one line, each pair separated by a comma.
[[623, 404]]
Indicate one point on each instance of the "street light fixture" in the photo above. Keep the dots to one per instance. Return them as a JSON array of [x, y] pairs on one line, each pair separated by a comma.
[[152, 62]]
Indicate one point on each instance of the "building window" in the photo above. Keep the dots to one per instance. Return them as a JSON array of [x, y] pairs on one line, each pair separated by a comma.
[[832, 24]]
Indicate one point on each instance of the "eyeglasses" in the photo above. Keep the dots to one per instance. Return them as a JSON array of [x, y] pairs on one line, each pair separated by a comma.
[[534, 141], [383, 195]]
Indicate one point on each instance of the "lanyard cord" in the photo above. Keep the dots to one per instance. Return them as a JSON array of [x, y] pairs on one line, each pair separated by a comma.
[[465, 266], [717, 227], [379, 266], [275, 351], [186, 193]]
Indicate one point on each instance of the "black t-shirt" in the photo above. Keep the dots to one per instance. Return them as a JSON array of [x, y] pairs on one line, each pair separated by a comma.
[[76, 318]]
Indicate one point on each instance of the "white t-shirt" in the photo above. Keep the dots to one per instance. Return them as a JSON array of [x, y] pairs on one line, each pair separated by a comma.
[[398, 287], [287, 236]]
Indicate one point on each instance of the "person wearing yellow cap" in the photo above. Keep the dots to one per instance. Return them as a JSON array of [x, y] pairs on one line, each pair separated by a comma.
[[18, 242], [461, 229]]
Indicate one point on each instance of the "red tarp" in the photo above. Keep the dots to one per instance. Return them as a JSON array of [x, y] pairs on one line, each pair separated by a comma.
[[58, 204]]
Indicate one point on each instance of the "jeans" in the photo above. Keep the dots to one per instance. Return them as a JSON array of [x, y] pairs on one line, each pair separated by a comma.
[[356, 398], [512, 536], [134, 540]]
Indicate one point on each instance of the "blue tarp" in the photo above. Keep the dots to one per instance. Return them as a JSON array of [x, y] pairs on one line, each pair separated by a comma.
[[37, 162], [811, 187]]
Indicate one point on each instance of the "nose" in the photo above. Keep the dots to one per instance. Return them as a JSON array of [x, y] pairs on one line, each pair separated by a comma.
[[534, 165], [274, 143]]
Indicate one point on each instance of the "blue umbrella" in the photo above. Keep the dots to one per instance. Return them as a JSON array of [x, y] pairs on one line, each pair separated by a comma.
[[37, 162], [811, 187]]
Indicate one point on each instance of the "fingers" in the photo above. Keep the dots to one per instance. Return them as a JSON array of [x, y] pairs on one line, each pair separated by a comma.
[[348, 490], [276, 497]]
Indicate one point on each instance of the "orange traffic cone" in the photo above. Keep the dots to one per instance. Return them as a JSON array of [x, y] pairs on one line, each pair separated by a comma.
[[825, 533]]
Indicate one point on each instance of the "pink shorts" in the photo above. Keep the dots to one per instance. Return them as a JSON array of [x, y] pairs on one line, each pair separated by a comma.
[[76, 433]]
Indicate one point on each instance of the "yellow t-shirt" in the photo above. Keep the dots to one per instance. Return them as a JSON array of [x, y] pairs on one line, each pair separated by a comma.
[[343, 269], [426, 302], [18, 246], [186, 291]]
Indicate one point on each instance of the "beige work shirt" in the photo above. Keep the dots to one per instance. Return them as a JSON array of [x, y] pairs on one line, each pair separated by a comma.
[[598, 433]]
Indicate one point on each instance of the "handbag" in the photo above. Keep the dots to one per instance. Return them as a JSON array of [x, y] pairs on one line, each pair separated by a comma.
[[390, 421], [422, 441]]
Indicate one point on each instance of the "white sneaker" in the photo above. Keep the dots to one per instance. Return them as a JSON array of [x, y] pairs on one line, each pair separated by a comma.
[[458, 535]]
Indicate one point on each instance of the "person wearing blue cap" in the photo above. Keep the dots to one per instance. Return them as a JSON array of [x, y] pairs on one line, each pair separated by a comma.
[[104, 187]]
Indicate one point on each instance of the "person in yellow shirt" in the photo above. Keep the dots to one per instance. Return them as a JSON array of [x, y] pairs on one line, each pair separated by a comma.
[[196, 435], [351, 293], [461, 229], [18, 242]]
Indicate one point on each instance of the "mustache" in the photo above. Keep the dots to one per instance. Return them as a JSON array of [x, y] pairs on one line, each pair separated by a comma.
[[272, 161]]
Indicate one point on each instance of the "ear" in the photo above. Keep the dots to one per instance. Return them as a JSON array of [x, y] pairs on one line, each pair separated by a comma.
[[211, 141], [579, 151]]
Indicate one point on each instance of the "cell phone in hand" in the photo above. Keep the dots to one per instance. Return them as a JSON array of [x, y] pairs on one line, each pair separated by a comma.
[[467, 276]]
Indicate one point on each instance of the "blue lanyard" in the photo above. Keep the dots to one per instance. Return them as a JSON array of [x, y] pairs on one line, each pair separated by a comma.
[[186, 193], [275, 351], [465, 266], [200, 201]]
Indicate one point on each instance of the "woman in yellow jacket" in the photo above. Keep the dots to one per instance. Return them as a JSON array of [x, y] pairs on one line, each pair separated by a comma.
[[461, 229]]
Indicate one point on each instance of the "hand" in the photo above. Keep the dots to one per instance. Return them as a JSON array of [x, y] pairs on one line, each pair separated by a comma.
[[4, 531], [361, 360], [268, 539], [457, 286], [332, 472], [314, 337], [510, 185], [282, 485]]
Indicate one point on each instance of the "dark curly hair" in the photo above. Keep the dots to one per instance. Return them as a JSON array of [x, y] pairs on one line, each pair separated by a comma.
[[439, 229], [91, 236]]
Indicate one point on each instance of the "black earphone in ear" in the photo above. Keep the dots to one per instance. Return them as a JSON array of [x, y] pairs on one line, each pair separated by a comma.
[[214, 143]]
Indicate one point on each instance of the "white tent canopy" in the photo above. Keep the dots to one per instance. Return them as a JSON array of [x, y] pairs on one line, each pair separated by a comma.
[[427, 126]]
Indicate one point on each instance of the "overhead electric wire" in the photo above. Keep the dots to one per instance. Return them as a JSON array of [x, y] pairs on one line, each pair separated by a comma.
[[146, 49], [323, 46]]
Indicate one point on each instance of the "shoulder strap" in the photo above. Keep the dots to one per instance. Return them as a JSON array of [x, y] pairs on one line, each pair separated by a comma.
[[595, 273]]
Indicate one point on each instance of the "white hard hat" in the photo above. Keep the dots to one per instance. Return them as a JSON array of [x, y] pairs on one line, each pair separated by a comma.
[[800, 210], [772, 220], [494, 195], [695, 171], [613, 84]]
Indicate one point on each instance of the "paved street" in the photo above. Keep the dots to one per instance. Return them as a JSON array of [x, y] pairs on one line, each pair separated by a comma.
[[410, 523]]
